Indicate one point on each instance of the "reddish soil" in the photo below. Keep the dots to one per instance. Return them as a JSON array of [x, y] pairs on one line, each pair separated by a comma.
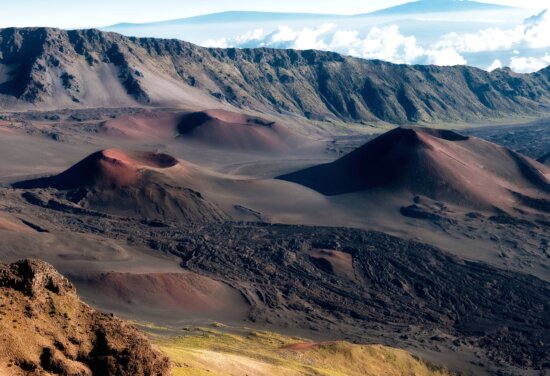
[[144, 126], [236, 131], [442, 165], [106, 168], [184, 292]]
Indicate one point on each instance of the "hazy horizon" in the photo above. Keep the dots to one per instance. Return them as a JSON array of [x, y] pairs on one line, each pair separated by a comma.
[[103, 13]]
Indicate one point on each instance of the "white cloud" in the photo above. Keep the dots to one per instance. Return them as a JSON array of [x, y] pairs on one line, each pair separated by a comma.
[[217, 43], [534, 32], [284, 34], [494, 65], [389, 44], [445, 56], [313, 38], [537, 30], [529, 64], [385, 43], [250, 36]]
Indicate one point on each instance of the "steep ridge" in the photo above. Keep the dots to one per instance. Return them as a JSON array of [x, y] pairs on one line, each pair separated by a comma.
[[441, 165], [82, 68], [124, 183], [46, 329]]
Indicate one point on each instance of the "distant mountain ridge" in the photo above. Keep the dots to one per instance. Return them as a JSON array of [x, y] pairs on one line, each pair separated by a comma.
[[232, 16], [436, 6], [421, 6], [51, 68]]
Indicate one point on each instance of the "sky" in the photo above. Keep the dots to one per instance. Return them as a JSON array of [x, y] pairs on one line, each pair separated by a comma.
[[98, 13]]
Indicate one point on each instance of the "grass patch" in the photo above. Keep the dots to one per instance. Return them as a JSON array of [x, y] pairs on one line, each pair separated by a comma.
[[209, 351]]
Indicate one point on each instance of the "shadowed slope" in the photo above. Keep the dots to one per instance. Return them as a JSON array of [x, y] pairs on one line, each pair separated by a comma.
[[144, 126], [215, 127], [438, 164], [545, 159]]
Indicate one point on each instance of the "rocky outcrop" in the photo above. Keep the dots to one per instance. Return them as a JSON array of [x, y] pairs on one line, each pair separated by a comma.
[[46, 329]]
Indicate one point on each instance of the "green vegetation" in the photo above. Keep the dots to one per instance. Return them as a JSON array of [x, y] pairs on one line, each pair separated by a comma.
[[208, 351]]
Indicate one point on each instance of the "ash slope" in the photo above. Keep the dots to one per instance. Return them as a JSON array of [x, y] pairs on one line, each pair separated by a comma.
[[214, 128], [47, 329], [441, 165], [230, 130], [124, 183], [53, 68]]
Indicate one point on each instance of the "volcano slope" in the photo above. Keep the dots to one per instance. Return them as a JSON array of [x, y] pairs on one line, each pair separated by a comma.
[[334, 283], [123, 183], [215, 128], [437, 164], [236, 131], [473, 198], [47, 329]]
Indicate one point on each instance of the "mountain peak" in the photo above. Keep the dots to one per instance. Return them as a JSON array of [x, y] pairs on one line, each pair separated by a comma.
[[437, 6]]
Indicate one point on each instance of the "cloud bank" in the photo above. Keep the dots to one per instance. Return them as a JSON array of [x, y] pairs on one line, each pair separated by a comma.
[[390, 44]]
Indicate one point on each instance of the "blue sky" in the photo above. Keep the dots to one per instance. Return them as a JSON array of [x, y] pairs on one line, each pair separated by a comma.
[[96, 13]]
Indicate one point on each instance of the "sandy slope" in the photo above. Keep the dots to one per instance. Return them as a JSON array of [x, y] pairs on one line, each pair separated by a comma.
[[126, 183], [214, 128], [239, 184], [163, 295], [441, 165]]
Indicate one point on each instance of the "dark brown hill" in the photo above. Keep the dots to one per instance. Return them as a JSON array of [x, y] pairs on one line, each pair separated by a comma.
[[126, 183], [441, 165]]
